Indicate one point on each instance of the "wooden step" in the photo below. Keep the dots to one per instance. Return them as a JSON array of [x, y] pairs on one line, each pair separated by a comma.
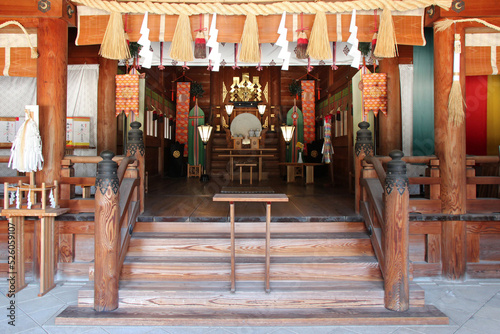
[[293, 271], [247, 227], [216, 295], [249, 247], [148, 316]]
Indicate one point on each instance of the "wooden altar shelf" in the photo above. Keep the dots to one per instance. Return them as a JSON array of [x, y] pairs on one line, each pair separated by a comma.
[[194, 171], [47, 238], [247, 153], [268, 199], [294, 169], [241, 171]]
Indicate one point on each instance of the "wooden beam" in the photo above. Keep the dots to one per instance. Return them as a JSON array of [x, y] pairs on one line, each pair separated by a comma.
[[55, 9]]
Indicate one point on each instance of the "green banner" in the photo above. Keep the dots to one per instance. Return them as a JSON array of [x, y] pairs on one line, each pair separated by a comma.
[[423, 96]]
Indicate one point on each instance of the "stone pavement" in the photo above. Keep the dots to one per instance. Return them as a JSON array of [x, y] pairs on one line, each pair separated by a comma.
[[472, 306]]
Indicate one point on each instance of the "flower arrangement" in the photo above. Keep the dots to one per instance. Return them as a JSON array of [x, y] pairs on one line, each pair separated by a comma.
[[300, 146]]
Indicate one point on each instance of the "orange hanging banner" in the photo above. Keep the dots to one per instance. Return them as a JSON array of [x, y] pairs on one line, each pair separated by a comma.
[[182, 114], [375, 93], [127, 94]]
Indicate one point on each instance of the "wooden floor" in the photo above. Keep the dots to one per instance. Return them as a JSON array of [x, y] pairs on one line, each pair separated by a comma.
[[190, 199]]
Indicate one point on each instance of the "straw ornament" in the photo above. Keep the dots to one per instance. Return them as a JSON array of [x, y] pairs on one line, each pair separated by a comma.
[[319, 46], [386, 46], [182, 41], [114, 43], [250, 52], [236, 7]]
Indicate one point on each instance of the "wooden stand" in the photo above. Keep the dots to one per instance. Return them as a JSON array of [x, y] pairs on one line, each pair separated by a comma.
[[194, 170], [241, 171], [47, 238], [268, 198]]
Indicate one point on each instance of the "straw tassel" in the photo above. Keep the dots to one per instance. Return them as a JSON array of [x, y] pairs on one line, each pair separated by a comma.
[[114, 43], [200, 46], [456, 101], [319, 46], [302, 43], [386, 38], [249, 52], [182, 41]]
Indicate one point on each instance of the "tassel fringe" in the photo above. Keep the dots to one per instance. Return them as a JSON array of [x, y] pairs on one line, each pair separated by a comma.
[[319, 46], [249, 52], [443, 25], [386, 39], [456, 103], [114, 43], [182, 41]]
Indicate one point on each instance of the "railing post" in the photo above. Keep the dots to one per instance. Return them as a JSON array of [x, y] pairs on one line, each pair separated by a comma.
[[106, 235], [363, 148], [67, 170], [396, 232], [135, 148]]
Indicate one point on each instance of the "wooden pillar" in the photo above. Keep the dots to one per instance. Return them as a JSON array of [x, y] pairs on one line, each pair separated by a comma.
[[390, 125], [450, 149], [396, 235], [135, 148], [106, 235], [106, 120], [363, 148], [52, 77]]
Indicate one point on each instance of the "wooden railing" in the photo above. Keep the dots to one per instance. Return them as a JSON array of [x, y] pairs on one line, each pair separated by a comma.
[[68, 181], [119, 200], [384, 203], [12, 179]]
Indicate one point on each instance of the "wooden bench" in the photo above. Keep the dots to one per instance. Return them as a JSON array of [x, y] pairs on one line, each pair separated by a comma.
[[268, 199], [251, 165], [294, 169]]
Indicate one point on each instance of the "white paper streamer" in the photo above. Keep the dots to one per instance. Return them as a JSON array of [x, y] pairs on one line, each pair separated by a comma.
[[12, 197], [284, 53], [145, 52], [29, 200], [52, 199], [214, 54], [353, 40], [18, 200]]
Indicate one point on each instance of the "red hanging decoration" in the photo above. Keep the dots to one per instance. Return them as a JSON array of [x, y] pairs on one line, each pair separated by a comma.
[[302, 41], [200, 44], [161, 67], [235, 56], [375, 30]]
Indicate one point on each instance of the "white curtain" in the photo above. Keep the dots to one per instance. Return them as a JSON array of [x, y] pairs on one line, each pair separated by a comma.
[[82, 95], [15, 93], [406, 80]]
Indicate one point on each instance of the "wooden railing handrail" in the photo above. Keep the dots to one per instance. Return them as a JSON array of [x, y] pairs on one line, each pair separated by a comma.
[[123, 165], [379, 168], [425, 159], [90, 159], [484, 159]]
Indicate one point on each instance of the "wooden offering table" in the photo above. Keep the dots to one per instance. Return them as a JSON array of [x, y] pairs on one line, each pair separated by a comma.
[[293, 167], [245, 153], [47, 258], [268, 198], [16, 231]]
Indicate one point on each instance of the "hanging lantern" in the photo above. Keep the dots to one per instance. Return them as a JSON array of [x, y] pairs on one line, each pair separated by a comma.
[[127, 94], [375, 93]]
